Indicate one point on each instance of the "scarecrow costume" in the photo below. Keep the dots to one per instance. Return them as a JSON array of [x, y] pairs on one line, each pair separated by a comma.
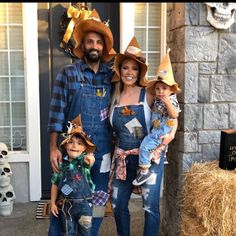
[[75, 186], [162, 123]]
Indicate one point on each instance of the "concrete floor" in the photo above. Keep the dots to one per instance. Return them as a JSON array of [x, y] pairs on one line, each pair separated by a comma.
[[22, 221]]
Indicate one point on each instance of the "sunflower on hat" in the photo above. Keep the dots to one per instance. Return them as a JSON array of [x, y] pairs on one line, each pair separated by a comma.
[[134, 52], [165, 75]]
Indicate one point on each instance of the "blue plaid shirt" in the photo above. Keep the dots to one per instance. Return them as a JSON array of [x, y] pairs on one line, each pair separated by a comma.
[[66, 84]]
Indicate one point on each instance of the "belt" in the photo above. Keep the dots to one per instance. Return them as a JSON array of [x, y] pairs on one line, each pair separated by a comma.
[[76, 199]]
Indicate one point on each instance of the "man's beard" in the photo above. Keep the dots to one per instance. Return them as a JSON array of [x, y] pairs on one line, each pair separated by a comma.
[[92, 55]]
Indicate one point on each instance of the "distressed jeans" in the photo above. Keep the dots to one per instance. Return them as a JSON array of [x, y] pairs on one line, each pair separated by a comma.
[[151, 199]]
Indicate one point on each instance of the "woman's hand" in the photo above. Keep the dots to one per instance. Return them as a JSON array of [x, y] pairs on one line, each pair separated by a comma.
[[167, 138]]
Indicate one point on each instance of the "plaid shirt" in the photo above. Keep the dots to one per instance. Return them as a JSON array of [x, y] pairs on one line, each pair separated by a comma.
[[72, 165], [160, 108], [66, 84], [100, 198]]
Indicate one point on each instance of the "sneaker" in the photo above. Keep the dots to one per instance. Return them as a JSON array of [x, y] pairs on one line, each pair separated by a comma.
[[142, 178]]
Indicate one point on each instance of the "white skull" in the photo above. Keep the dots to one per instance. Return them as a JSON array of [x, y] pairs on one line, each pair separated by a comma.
[[7, 196], [220, 15], [5, 173], [3, 152]]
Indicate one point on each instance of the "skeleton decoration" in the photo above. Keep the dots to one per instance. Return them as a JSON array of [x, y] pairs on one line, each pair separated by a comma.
[[3, 153], [7, 196], [220, 14], [5, 173]]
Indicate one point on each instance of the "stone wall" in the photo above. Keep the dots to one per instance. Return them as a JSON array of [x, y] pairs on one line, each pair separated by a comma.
[[204, 64]]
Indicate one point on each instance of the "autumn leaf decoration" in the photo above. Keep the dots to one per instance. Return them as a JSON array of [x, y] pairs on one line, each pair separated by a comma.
[[127, 112]]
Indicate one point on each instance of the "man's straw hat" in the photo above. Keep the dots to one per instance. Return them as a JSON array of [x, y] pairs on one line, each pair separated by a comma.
[[93, 24]]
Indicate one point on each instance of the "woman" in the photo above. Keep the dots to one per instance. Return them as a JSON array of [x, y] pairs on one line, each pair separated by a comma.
[[130, 117]]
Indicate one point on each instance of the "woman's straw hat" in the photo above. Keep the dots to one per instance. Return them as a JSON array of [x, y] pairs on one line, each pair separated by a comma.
[[134, 52]]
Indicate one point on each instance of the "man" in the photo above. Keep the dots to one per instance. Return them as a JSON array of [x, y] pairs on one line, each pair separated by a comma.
[[84, 88]]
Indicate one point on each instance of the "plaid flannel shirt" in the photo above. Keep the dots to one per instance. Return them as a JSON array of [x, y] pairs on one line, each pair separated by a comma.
[[66, 84], [73, 164]]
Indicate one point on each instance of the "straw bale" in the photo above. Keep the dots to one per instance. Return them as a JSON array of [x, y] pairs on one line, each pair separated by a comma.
[[209, 195], [190, 226]]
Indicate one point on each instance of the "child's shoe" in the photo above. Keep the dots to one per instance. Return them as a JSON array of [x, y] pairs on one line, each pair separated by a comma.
[[142, 178]]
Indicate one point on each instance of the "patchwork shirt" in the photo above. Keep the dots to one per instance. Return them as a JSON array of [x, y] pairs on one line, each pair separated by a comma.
[[66, 164]]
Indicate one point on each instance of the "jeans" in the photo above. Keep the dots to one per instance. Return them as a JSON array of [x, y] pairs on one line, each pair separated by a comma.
[[149, 143], [101, 181], [122, 190], [77, 217], [55, 226], [151, 200]]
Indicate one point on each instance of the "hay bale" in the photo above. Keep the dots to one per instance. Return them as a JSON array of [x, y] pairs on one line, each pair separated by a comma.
[[209, 194], [190, 226]]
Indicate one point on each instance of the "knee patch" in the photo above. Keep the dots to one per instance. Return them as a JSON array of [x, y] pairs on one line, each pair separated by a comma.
[[85, 221]]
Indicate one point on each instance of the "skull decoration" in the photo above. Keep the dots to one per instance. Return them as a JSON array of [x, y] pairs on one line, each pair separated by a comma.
[[7, 196], [5, 173], [220, 14], [3, 152]]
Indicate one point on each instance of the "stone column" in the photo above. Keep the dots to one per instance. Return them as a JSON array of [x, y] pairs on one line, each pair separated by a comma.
[[204, 64]]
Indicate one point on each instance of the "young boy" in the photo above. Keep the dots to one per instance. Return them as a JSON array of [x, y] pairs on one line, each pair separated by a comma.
[[72, 187], [164, 113]]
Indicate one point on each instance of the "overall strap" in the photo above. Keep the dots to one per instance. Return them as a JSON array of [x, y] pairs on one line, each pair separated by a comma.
[[142, 95]]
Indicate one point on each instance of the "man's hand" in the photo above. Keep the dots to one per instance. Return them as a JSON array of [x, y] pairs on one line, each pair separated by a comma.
[[55, 159], [55, 153]]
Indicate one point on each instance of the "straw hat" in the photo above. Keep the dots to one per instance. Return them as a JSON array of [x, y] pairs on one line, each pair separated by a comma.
[[134, 52], [93, 24], [165, 75], [75, 128]]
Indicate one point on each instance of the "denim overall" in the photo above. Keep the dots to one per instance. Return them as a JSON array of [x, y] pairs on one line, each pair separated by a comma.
[[75, 196], [153, 140], [122, 189], [91, 101]]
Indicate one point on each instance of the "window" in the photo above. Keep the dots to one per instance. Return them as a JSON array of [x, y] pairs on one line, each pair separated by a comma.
[[12, 78], [146, 21]]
